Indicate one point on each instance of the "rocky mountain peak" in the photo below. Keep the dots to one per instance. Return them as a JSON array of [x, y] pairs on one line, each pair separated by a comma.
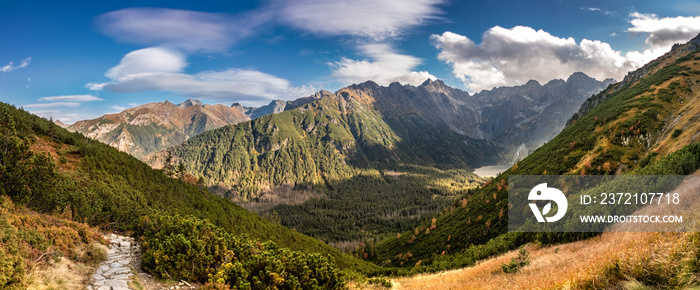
[[61, 124], [691, 45], [189, 103], [274, 107], [579, 77], [368, 85], [433, 84], [532, 83]]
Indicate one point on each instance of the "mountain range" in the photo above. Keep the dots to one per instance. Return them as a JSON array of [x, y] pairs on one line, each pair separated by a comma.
[[644, 125], [517, 119], [152, 127], [432, 124]]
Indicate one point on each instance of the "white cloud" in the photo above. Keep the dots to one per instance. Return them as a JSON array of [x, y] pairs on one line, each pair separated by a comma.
[[596, 9], [71, 98], [514, 56], [174, 32], [507, 57], [664, 32], [180, 29], [148, 60], [366, 18], [11, 66], [161, 69], [383, 67], [52, 105]]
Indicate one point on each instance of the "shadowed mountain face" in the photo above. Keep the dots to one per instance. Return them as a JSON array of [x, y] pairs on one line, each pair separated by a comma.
[[518, 119], [523, 118]]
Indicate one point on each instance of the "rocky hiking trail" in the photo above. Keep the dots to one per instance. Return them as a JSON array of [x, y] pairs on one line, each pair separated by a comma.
[[121, 270]]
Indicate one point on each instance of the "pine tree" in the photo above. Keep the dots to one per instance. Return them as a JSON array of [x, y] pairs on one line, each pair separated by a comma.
[[169, 168]]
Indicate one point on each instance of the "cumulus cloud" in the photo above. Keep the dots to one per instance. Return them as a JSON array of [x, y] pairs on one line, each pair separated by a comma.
[[366, 18], [162, 69], [384, 66], [664, 32], [516, 55], [71, 98], [507, 57], [11, 66], [180, 29]]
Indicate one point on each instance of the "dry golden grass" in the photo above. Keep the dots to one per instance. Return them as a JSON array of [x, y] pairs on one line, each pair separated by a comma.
[[41, 144], [579, 265], [614, 260], [64, 274]]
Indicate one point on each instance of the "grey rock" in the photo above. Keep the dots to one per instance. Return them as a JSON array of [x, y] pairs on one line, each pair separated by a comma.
[[116, 283]]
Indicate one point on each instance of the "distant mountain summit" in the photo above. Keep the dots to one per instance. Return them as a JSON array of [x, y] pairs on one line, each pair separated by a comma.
[[189, 103], [152, 127], [61, 124], [519, 119], [522, 118]]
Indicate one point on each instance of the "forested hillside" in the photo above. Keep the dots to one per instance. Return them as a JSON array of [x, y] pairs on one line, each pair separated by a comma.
[[369, 171], [324, 141], [94, 183], [643, 125]]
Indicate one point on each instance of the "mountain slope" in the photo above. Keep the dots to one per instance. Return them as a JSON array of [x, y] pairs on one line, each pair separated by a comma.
[[367, 124], [99, 185], [340, 153], [519, 118], [152, 127], [365, 140], [325, 140], [642, 124]]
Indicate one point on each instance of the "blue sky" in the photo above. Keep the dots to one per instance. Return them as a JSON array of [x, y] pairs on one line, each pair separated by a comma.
[[75, 60]]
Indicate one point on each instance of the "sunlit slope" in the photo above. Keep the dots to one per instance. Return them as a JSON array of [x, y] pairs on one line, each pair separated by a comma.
[[96, 184], [652, 113]]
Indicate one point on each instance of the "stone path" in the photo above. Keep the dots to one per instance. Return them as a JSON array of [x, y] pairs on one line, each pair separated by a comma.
[[115, 272]]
